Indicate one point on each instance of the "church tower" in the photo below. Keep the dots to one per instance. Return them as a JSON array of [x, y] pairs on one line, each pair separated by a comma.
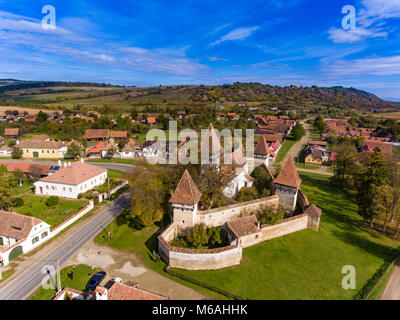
[[210, 151], [287, 185], [185, 201]]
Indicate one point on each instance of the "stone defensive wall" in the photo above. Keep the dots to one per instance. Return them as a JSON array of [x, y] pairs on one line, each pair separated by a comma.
[[302, 199], [246, 234], [268, 232], [196, 259], [218, 216]]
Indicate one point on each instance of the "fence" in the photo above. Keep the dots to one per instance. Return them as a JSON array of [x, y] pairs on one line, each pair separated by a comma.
[[202, 284]]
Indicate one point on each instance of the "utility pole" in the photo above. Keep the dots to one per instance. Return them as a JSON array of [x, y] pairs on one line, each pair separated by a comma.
[[58, 277], [108, 184]]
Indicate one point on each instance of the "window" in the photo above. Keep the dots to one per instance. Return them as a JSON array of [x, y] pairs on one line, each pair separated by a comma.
[[48, 151], [53, 151], [35, 239], [44, 234], [27, 151], [63, 188], [42, 151], [70, 189]]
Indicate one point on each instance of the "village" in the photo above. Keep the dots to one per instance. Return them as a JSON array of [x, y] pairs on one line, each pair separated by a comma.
[[55, 183]]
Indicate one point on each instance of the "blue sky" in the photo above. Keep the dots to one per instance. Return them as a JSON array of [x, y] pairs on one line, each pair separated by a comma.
[[145, 43]]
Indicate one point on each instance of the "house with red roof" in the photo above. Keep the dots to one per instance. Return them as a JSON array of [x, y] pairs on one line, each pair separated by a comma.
[[20, 234], [71, 180]]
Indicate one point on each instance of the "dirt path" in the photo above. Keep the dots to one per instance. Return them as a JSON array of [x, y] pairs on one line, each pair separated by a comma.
[[392, 290], [128, 267], [296, 148]]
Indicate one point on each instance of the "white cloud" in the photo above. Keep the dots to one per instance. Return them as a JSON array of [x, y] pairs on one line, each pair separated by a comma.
[[351, 36], [237, 34], [215, 58], [379, 66], [155, 62], [372, 17]]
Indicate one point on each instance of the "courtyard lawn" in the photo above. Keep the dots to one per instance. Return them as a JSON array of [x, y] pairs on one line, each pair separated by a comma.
[[308, 264], [35, 206], [117, 160], [80, 278], [307, 166], [287, 144], [26, 186]]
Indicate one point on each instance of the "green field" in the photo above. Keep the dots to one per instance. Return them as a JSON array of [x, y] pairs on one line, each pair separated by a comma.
[[80, 278], [302, 265], [35, 206], [287, 144], [308, 264]]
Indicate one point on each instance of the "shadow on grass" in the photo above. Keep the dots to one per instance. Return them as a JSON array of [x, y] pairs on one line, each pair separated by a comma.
[[386, 253]]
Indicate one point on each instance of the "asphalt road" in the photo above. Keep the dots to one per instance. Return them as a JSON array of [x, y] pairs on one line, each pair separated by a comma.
[[26, 283]]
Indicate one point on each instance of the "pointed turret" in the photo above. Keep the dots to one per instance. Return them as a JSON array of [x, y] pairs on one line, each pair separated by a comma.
[[262, 148], [186, 192], [288, 175]]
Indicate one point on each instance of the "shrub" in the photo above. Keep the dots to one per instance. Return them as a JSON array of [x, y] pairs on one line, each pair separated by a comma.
[[198, 236], [246, 194], [18, 202], [270, 215], [217, 237], [52, 201], [80, 196]]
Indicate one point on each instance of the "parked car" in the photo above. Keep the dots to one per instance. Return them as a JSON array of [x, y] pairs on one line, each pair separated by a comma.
[[95, 280]]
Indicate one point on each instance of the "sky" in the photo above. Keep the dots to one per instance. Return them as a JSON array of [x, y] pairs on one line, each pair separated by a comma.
[[148, 43]]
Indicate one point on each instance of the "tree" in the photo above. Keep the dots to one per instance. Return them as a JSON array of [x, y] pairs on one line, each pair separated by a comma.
[[41, 116], [375, 174], [73, 151], [269, 215], [298, 131], [7, 186], [52, 201], [198, 236], [246, 194], [19, 175], [320, 124], [345, 163], [16, 153], [148, 194], [262, 181], [381, 204]]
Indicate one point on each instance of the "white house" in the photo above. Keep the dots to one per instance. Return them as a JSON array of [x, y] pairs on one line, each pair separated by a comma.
[[20, 234], [5, 151], [129, 151], [71, 180]]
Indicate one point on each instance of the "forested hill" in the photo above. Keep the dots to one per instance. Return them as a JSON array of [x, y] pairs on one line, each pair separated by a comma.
[[338, 97], [180, 95]]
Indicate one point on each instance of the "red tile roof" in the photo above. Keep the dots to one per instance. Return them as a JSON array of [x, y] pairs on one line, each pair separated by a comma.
[[288, 175], [120, 291], [118, 134], [16, 225], [11, 132], [244, 226], [75, 174], [273, 137], [186, 192], [96, 134], [98, 147], [27, 168], [40, 137], [262, 147], [36, 144]]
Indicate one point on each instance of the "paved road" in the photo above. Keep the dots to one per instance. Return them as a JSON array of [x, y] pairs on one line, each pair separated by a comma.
[[392, 290], [26, 283]]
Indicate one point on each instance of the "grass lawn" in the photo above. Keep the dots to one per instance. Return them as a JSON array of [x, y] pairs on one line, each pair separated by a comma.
[[123, 161], [287, 144], [116, 174], [377, 292], [80, 278], [308, 264], [26, 186], [142, 243], [36, 206], [307, 166]]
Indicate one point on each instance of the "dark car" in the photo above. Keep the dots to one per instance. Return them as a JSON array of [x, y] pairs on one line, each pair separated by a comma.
[[95, 280]]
